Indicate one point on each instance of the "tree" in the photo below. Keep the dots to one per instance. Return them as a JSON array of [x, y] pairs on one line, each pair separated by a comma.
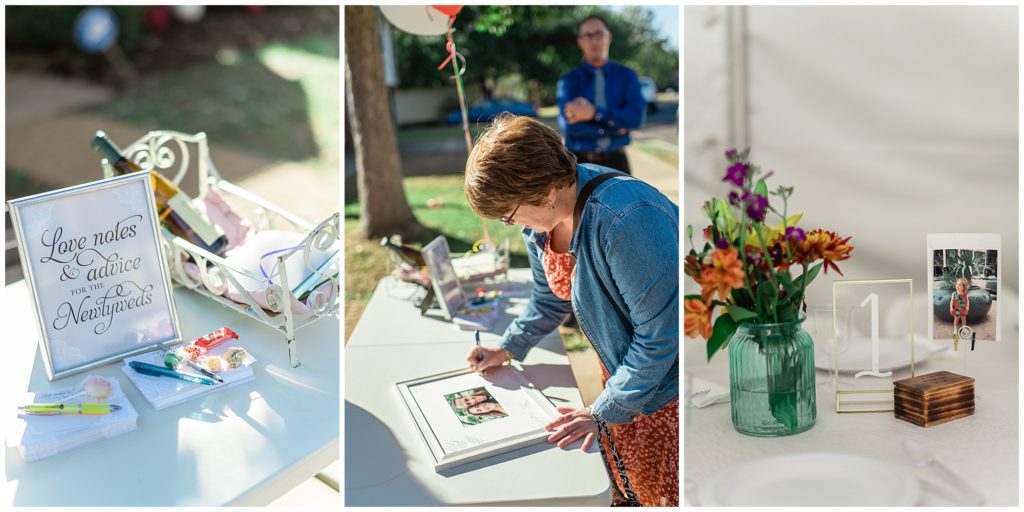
[[383, 207]]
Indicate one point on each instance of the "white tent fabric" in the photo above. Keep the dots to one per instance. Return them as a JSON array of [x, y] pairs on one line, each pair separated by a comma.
[[891, 122]]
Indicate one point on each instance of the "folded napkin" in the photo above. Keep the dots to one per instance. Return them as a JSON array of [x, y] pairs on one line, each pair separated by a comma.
[[704, 393]]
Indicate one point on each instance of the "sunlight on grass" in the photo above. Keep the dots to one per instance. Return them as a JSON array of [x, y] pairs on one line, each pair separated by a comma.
[[319, 77], [366, 260]]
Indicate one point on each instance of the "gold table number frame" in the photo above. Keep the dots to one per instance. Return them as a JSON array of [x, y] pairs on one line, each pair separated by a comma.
[[840, 393]]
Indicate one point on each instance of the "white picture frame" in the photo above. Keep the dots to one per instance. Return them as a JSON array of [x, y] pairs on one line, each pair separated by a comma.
[[453, 442], [443, 278], [96, 272], [941, 248]]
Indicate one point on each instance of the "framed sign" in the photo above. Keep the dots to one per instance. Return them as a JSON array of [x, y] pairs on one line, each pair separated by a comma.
[[96, 272], [872, 342], [463, 416], [963, 284]]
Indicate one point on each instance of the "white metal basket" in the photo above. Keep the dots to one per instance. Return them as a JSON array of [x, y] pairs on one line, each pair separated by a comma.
[[168, 152]]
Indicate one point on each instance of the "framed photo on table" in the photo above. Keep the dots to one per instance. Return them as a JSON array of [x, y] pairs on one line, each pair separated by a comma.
[[964, 272], [443, 278], [96, 272], [463, 416]]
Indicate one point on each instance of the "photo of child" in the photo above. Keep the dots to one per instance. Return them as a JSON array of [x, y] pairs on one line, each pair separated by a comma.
[[965, 288], [475, 406]]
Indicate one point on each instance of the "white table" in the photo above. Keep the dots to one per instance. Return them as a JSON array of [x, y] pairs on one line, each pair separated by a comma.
[[387, 463], [246, 445], [983, 447]]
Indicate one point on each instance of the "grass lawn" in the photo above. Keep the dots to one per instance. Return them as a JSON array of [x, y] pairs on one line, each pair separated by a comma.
[[366, 260], [280, 102]]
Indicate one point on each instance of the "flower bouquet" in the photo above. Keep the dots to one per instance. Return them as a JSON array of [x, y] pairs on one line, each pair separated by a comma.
[[745, 267]]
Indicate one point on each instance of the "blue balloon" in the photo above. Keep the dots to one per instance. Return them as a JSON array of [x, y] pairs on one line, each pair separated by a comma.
[[96, 29]]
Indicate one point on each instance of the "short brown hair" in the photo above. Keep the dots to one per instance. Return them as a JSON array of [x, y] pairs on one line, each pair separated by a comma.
[[518, 160]]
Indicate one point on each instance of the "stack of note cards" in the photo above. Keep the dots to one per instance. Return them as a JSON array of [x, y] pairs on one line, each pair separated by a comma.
[[163, 392], [41, 436]]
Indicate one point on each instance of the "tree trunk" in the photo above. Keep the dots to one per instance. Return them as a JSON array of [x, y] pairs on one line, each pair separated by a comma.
[[383, 207]]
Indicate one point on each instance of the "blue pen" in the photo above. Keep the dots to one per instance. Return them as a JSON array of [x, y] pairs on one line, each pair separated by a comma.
[[479, 354], [160, 371]]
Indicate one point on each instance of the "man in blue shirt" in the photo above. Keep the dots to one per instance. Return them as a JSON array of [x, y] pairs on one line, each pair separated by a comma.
[[599, 101]]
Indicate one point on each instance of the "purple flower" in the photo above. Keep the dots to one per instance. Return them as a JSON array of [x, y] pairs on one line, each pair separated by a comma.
[[722, 243], [795, 234], [734, 198], [757, 206], [736, 174], [730, 153]]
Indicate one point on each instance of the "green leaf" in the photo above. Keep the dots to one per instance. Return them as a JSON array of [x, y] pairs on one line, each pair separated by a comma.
[[739, 314], [787, 283], [724, 328], [806, 278], [768, 292], [788, 312], [692, 296], [761, 188]]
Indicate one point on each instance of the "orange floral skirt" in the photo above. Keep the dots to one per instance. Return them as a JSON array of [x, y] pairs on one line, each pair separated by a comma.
[[649, 449]]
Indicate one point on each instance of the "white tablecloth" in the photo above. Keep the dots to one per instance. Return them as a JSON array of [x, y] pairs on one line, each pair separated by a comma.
[[386, 461], [246, 445], [982, 448]]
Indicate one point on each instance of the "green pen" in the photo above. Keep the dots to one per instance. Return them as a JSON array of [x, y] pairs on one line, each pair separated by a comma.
[[160, 371], [56, 409]]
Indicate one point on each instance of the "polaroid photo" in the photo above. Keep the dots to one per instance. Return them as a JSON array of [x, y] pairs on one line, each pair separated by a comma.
[[964, 285]]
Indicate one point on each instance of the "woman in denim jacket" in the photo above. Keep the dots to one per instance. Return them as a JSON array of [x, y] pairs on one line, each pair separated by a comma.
[[617, 270]]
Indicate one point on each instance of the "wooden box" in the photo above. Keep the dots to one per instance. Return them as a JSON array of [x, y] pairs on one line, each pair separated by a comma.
[[933, 399]]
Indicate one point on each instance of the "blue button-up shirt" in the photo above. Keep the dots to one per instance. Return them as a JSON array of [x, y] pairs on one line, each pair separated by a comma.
[[626, 107]]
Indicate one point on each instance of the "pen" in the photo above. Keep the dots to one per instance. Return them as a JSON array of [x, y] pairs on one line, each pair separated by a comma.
[[56, 409], [204, 371], [479, 354], [160, 371]]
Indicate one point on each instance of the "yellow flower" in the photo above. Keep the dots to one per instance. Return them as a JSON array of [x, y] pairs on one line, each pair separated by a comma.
[[822, 245], [775, 232]]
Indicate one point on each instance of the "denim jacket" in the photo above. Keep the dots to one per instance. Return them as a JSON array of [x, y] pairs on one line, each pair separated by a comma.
[[625, 294]]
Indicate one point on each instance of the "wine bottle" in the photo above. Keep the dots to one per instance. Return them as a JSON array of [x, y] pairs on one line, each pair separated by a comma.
[[408, 254], [174, 207]]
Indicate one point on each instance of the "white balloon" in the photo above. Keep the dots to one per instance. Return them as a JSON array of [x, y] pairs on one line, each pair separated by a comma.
[[421, 20], [188, 13]]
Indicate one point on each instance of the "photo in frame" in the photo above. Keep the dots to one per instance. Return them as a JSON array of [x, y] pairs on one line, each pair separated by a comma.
[[443, 278], [96, 272], [463, 416], [873, 342], [475, 406], [964, 272]]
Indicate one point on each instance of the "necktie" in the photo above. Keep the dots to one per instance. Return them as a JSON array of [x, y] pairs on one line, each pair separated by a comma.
[[601, 102]]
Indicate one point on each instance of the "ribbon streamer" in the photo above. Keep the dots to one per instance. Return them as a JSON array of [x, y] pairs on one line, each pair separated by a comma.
[[453, 57]]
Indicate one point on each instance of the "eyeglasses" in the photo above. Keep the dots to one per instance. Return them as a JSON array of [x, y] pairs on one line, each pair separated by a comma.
[[507, 221], [596, 35]]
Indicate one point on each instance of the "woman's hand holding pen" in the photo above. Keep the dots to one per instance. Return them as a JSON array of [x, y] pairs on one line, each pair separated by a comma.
[[482, 358], [573, 424]]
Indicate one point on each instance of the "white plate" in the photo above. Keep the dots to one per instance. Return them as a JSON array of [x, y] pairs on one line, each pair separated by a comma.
[[892, 355], [812, 480]]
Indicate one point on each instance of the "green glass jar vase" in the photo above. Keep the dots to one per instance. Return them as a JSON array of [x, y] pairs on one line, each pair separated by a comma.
[[771, 379]]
